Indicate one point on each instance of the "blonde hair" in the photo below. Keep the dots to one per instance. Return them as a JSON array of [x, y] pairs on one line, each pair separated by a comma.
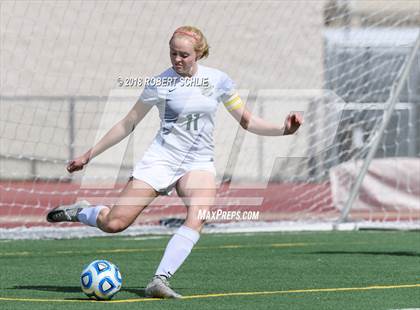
[[200, 42]]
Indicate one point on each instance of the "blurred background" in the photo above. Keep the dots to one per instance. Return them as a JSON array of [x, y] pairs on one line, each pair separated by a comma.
[[335, 61]]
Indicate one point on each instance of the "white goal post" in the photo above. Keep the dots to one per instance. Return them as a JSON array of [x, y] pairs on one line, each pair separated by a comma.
[[352, 68]]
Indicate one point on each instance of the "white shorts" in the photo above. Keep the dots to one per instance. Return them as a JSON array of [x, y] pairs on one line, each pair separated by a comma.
[[161, 169]]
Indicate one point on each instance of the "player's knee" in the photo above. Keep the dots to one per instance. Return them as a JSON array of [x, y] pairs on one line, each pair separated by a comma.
[[114, 226]]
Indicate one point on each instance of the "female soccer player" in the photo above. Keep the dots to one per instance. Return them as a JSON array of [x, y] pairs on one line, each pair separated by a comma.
[[181, 155]]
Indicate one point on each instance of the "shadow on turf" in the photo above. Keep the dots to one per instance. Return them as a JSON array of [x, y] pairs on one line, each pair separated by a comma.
[[395, 253], [70, 289]]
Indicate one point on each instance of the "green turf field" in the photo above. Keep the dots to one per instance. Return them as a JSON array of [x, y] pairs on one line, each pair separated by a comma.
[[334, 270]]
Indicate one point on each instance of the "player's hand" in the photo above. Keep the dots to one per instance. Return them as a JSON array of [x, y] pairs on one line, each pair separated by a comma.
[[77, 163], [292, 123]]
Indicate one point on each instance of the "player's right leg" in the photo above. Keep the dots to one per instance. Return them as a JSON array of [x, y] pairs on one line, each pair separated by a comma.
[[133, 199]]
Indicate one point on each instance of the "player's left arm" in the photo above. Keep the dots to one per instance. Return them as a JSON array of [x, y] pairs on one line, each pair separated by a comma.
[[259, 126]]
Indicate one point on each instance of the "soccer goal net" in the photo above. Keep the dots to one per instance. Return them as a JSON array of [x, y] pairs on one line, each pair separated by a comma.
[[72, 69]]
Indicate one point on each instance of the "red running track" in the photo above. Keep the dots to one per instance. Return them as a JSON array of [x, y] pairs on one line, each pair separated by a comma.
[[27, 203]]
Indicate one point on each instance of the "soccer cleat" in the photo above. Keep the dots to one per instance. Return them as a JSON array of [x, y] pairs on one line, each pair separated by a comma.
[[159, 288], [67, 213]]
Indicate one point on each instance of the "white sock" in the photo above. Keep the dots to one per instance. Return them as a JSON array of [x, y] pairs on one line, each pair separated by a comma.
[[89, 215], [177, 250]]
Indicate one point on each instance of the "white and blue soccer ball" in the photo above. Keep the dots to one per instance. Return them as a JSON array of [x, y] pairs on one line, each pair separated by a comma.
[[101, 280]]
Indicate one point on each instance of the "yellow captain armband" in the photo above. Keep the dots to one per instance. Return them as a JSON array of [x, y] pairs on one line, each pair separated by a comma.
[[234, 103]]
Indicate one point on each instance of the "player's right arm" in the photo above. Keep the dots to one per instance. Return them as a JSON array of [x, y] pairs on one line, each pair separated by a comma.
[[117, 133]]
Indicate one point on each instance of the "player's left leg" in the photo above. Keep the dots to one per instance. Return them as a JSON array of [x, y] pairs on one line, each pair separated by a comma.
[[198, 190]]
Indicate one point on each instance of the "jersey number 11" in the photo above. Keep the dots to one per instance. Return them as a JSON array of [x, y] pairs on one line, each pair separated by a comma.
[[192, 118]]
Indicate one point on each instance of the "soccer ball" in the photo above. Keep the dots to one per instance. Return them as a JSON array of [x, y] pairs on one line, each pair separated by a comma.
[[100, 280]]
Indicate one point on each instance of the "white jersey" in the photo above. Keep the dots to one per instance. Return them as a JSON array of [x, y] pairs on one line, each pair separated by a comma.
[[187, 109]]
